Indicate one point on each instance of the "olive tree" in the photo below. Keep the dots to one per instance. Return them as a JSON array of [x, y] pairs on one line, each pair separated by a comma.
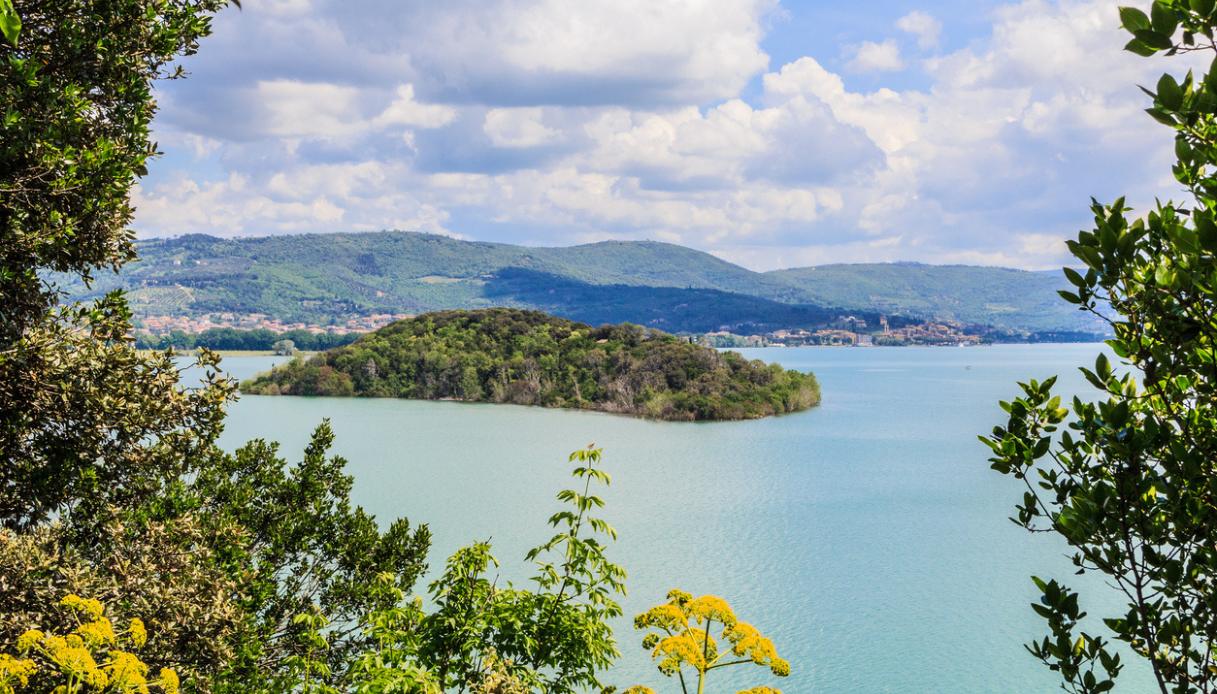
[[1127, 474]]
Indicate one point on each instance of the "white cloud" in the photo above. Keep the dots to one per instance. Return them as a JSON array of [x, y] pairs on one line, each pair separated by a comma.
[[517, 127], [922, 25], [405, 110], [292, 109], [562, 122], [281, 7], [538, 52], [340, 197], [876, 57]]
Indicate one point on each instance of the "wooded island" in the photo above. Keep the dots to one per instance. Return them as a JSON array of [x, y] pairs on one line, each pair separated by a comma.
[[530, 358]]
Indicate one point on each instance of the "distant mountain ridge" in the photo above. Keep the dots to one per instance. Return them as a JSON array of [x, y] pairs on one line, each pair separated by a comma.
[[316, 277]]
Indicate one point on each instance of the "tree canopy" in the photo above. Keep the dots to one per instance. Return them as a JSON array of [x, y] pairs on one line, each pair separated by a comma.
[[529, 358], [1127, 474]]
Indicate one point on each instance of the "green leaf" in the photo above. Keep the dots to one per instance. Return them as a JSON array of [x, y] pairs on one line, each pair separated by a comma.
[[1163, 18], [1165, 276], [1075, 277], [1140, 48], [1153, 38], [1133, 19], [10, 23], [1169, 93]]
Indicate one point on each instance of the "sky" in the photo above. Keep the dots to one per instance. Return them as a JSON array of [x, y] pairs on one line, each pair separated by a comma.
[[771, 134]]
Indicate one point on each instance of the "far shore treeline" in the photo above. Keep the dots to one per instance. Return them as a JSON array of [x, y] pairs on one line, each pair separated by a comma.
[[531, 358], [236, 339]]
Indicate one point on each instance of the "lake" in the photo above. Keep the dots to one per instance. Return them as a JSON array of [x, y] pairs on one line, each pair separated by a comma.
[[868, 537]]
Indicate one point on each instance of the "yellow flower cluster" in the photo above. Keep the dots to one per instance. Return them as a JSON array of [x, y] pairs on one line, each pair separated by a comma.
[[747, 642], [99, 632], [90, 607], [15, 672], [138, 632], [678, 650], [169, 681], [639, 689], [711, 608], [128, 673], [73, 659], [685, 643], [668, 617], [29, 639], [678, 597], [75, 656]]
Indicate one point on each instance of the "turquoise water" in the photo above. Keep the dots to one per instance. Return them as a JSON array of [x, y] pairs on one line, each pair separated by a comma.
[[867, 537]]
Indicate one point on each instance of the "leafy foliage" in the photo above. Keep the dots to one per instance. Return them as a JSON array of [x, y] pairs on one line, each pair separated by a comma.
[[90, 430], [82, 417], [77, 102], [390, 666], [305, 547], [1128, 479], [236, 339], [555, 638], [169, 572], [110, 480], [529, 358], [479, 635]]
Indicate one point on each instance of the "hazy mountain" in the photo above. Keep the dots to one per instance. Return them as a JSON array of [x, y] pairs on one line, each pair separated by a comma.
[[318, 276], [1000, 297]]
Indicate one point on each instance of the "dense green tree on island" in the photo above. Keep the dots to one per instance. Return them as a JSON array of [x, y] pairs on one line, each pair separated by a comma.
[[529, 358], [1127, 475]]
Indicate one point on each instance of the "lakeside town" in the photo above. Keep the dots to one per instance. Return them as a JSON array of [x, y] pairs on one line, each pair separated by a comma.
[[850, 331], [843, 331]]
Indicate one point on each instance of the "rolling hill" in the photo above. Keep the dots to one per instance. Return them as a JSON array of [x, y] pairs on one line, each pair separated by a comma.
[[313, 278], [1000, 297]]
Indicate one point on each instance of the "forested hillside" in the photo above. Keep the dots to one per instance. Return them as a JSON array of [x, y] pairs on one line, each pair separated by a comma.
[[319, 277], [1000, 297], [530, 358]]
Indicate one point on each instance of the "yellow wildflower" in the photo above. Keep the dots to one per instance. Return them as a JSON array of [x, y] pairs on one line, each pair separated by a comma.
[[128, 674], [678, 597], [666, 616], [91, 607], [677, 651], [747, 642], [684, 638], [711, 608], [74, 660], [138, 632], [169, 681], [639, 689], [15, 671], [29, 639], [780, 667], [99, 632]]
